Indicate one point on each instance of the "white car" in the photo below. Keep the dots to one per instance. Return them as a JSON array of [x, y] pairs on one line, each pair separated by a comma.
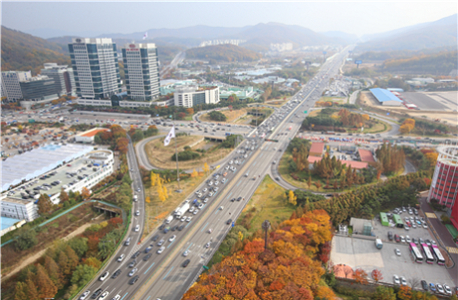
[[183, 219], [447, 289], [397, 251], [121, 257], [172, 238], [137, 213], [425, 226], [205, 200], [210, 183], [396, 279], [204, 190], [117, 297], [186, 253], [161, 250], [132, 272], [84, 295], [408, 240], [137, 228], [189, 219], [191, 209], [403, 280], [195, 212], [104, 276], [104, 295], [216, 182], [439, 288]]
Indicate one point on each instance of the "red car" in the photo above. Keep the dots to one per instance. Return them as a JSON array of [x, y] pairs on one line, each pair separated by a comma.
[[397, 238]]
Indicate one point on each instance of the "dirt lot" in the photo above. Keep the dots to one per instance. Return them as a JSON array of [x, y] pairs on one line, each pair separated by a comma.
[[161, 156], [230, 115]]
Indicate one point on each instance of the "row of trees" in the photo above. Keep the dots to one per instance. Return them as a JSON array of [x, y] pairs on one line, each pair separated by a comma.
[[137, 134], [290, 268], [67, 266]]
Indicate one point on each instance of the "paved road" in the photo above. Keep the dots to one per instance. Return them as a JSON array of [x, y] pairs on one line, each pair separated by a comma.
[[174, 63]]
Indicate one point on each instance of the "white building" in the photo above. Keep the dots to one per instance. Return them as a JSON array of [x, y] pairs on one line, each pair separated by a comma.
[[19, 209], [142, 71], [188, 96], [88, 136], [281, 47], [95, 67], [11, 89], [63, 77]]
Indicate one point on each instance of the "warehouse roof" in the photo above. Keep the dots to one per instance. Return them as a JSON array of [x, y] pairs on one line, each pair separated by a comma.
[[38, 161], [93, 132], [317, 148], [383, 95], [366, 155]]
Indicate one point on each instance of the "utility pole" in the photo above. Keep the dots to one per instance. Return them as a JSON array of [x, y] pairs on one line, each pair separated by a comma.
[[265, 226]]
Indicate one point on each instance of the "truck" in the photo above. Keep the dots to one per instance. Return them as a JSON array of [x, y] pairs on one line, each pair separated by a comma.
[[378, 243], [61, 119], [168, 220], [179, 212]]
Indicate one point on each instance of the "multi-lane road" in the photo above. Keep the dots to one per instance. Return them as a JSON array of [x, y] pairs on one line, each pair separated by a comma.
[[162, 275]]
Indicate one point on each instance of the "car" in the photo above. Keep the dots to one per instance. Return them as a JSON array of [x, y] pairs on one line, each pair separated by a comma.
[[403, 280], [96, 293], [161, 250], [148, 249], [424, 285], [439, 288], [147, 257], [233, 199], [447, 289], [396, 279], [84, 295], [104, 276], [191, 209], [228, 222], [133, 263], [186, 263], [127, 242], [121, 257], [155, 238], [421, 241], [180, 228], [221, 207], [390, 235], [195, 212], [172, 238], [104, 295], [397, 251], [424, 226], [414, 226], [428, 242], [136, 254], [162, 227], [160, 242], [117, 297], [133, 280], [207, 245], [200, 206], [132, 272], [204, 190], [174, 227], [166, 229], [137, 213], [183, 219], [137, 228], [403, 239], [205, 200], [116, 273], [432, 287], [414, 240], [188, 219]]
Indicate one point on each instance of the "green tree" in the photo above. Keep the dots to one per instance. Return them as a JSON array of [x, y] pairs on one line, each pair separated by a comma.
[[20, 291], [384, 293], [79, 245], [82, 275], [26, 238], [44, 205], [217, 116]]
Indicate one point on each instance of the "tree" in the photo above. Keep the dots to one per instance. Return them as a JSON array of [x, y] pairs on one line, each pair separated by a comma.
[[79, 245], [63, 196], [360, 276], [85, 193], [414, 282], [405, 293], [206, 168], [31, 289], [377, 275], [83, 274], [53, 271], [384, 293], [309, 181], [44, 204], [26, 238], [20, 291], [93, 262], [292, 199], [190, 111], [46, 288], [194, 173]]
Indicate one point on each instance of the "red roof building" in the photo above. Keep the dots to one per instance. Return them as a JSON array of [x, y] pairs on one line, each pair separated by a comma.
[[366, 155], [317, 149], [355, 164]]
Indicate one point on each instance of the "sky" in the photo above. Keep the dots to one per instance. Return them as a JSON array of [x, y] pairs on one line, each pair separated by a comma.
[[95, 18]]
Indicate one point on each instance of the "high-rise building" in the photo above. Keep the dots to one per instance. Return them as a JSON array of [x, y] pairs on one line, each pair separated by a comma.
[[190, 95], [63, 77], [95, 67], [444, 184], [142, 71], [11, 89], [39, 88]]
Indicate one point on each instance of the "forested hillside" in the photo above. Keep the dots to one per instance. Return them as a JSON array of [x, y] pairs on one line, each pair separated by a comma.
[[437, 64], [229, 53], [23, 52]]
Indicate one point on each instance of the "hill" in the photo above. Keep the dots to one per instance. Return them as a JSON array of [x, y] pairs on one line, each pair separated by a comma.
[[226, 53], [436, 64], [23, 52], [440, 33]]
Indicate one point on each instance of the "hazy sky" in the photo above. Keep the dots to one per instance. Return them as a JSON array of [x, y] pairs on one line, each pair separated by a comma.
[[126, 17]]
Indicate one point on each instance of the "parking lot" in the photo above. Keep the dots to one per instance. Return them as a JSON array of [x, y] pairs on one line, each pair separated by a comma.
[[362, 253]]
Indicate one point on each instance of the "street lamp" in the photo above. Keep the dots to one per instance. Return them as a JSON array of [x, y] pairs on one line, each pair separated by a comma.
[[266, 226]]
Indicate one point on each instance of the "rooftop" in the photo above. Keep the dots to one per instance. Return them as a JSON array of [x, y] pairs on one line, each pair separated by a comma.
[[383, 95], [317, 148], [366, 155], [93, 132], [355, 164]]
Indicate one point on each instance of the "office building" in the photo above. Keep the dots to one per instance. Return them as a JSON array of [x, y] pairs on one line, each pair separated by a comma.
[[39, 89], [142, 71], [11, 89], [191, 95], [63, 78], [95, 67]]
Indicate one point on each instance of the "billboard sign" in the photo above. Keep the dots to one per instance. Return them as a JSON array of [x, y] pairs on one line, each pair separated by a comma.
[[358, 62]]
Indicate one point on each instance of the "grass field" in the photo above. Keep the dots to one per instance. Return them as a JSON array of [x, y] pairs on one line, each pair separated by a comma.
[[161, 156], [277, 102], [230, 115], [270, 204], [156, 211]]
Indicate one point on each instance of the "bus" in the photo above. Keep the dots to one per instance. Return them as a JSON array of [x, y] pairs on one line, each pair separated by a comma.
[[438, 255], [428, 255], [416, 253]]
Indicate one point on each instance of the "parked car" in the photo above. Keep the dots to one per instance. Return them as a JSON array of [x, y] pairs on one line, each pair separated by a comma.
[[424, 285], [396, 279]]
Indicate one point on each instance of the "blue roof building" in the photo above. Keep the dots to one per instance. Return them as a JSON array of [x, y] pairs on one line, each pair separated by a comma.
[[385, 97]]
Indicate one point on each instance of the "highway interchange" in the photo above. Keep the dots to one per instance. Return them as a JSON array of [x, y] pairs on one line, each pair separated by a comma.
[[162, 275]]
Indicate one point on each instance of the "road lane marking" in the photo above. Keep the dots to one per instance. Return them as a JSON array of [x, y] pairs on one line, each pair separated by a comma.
[[149, 268], [124, 296], [168, 273], [204, 227], [188, 224], [239, 183], [228, 196], [189, 247]]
